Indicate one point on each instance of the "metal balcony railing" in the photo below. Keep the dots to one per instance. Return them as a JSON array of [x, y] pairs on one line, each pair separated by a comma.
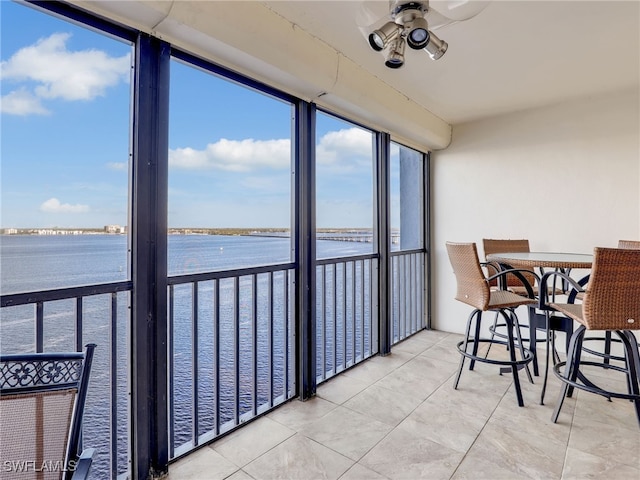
[[231, 342], [407, 294], [231, 350], [346, 313]]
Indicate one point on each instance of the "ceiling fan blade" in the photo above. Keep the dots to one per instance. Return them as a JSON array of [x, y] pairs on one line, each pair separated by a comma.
[[436, 20], [459, 10], [372, 13]]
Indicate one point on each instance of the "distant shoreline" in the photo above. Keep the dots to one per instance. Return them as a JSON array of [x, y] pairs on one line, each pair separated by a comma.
[[174, 231]]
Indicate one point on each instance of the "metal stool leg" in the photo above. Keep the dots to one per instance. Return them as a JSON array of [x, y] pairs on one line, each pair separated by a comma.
[[465, 344], [518, 332], [633, 367], [607, 347], [571, 369], [472, 363], [512, 355], [533, 338], [551, 344]]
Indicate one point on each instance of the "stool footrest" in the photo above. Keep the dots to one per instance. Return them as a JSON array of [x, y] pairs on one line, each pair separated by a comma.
[[589, 386], [527, 357]]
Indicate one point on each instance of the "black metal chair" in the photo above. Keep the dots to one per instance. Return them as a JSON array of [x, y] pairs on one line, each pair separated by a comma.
[[42, 398]]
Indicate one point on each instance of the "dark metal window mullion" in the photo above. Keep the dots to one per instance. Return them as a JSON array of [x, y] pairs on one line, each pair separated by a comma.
[[148, 354], [425, 292], [382, 240], [304, 226]]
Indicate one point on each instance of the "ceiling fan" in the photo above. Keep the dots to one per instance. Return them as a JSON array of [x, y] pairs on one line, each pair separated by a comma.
[[412, 23]]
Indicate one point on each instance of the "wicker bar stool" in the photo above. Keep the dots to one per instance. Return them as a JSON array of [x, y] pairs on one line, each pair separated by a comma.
[[513, 283], [473, 289], [608, 339], [629, 244], [611, 302], [518, 285]]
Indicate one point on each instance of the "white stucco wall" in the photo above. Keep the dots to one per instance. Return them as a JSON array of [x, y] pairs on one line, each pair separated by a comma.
[[567, 177]]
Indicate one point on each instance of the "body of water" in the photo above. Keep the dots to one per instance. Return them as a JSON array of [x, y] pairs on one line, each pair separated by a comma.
[[33, 263], [41, 262]]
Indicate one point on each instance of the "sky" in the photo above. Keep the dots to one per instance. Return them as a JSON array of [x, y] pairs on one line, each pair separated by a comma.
[[65, 140]]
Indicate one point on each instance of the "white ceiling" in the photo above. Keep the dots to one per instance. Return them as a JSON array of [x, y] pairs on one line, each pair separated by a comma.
[[512, 56]]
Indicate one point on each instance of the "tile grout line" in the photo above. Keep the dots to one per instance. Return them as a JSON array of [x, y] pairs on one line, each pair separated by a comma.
[[571, 432], [406, 416], [507, 390]]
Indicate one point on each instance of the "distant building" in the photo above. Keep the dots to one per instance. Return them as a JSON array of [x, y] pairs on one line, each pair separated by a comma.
[[10, 231], [55, 231], [114, 229]]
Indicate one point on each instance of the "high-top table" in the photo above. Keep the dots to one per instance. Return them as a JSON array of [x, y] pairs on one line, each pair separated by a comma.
[[542, 260]]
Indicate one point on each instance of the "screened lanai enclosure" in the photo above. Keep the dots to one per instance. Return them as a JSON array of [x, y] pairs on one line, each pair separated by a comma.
[[226, 245]]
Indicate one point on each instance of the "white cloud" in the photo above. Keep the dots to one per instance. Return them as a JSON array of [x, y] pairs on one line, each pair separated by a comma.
[[234, 155], [22, 102], [117, 166], [62, 74], [53, 205], [344, 149]]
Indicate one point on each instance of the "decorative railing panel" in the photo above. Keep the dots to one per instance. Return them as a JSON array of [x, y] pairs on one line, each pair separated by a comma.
[[64, 320]]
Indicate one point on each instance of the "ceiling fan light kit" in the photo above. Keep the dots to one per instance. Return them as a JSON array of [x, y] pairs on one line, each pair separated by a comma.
[[381, 37], [394, 54], [408, 26]]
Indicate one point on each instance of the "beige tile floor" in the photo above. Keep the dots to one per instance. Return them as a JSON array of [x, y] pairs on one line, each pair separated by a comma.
[[398, 417]]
